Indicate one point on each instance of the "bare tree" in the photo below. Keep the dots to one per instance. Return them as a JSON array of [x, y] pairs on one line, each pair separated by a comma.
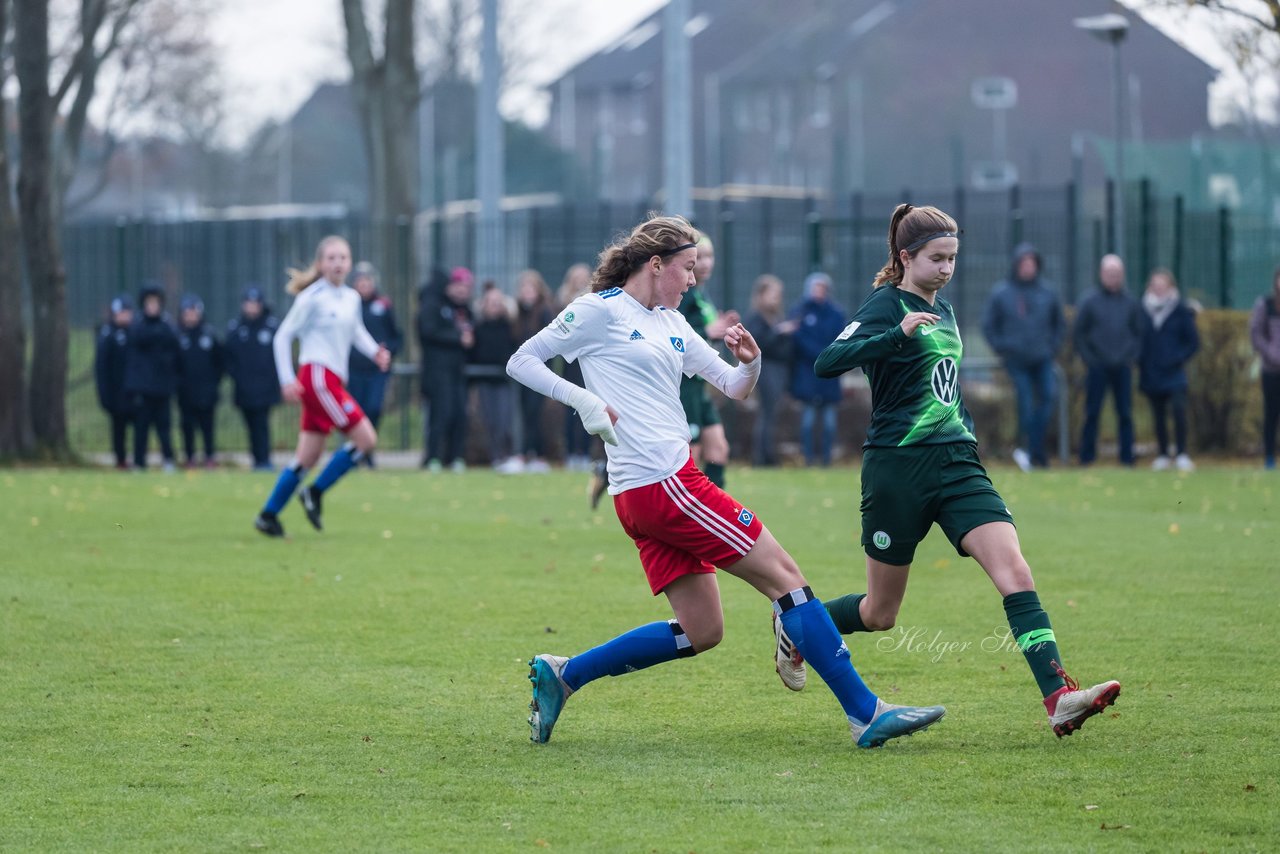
[[1249, 32], [15, 426], [386, 91], [44, 171]]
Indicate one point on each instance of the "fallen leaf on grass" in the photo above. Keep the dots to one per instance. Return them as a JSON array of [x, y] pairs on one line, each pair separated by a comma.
[[1249, 787], [1105, 826], [783, 774], [1091, 806]]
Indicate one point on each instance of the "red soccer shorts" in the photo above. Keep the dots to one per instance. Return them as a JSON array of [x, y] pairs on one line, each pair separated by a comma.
[[685, 524], [325, 401]]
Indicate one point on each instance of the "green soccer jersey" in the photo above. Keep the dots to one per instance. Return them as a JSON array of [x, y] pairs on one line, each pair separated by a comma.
[[915, 382]]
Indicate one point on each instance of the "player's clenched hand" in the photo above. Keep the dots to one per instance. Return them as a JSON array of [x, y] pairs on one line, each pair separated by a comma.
[[741, 344], [291, 392], [916, 319], [383, 359]]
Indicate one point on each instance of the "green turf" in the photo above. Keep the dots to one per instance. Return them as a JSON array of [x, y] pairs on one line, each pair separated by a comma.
[[172, 681]]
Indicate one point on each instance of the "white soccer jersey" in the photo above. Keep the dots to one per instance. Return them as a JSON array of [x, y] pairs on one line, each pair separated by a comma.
[[326, 319], [632, 358]]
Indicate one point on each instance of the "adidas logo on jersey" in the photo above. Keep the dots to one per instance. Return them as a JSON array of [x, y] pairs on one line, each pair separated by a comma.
[[636, 336]]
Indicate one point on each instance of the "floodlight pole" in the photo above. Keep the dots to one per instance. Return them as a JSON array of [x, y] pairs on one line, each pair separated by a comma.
[[677, 110], [1117, 223], [489, 249], [1113, 28]]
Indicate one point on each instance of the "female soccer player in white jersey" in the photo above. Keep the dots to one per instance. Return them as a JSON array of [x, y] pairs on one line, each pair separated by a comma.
[[325, 317], [633, 351]]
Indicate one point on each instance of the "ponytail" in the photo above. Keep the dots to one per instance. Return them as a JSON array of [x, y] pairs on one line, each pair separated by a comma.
[[300, 280], [911, 228]]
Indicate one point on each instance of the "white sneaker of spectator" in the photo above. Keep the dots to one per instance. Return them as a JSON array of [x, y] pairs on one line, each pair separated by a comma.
[[1183, 463], [511, 465]]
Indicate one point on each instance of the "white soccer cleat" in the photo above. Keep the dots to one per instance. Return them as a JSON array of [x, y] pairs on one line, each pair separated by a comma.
[[892, 721], [1022, 459], [1160, 463], [787, 659], [1183, 463], [1072, 706]]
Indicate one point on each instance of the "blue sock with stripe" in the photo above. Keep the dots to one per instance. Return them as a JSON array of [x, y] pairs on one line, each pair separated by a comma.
[[643, 646], [286, 483], [343, 460], [810, 628]]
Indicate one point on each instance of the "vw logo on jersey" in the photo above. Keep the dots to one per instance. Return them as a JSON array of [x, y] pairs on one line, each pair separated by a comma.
[[678, 343], [206, 343], [264, 336], [746, 516], [946, 381]]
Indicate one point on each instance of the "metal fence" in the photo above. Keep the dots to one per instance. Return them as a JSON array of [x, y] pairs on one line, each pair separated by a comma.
[[1221, 258]]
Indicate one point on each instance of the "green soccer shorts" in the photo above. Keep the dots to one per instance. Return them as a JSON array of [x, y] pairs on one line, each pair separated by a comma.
[[905, 490], [699, 411]]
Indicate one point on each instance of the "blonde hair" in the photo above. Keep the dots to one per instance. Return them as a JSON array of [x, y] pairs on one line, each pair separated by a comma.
[[907, 228], [300, 280], [657, 235]]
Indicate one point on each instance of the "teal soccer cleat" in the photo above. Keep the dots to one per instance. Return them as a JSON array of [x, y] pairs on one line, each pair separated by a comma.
[[549, 694], [891, 721]]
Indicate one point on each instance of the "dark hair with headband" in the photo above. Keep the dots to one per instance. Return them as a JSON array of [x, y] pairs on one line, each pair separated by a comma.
[[658, 235], [910, 228]]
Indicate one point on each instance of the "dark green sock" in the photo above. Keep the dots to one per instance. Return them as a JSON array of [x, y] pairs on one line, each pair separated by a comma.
[[714, 473], [845, 614], [1034, 636]]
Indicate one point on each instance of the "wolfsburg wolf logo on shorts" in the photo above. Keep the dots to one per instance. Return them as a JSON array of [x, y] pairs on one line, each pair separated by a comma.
[[945, 381], [881, 540]]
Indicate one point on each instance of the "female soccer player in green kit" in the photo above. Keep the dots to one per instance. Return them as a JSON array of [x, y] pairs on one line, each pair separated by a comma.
[[920, 463]]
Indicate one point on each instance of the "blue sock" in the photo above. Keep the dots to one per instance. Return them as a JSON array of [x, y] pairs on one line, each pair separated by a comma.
[[342, 461], [286, 483], [810, 628], [643, 646]]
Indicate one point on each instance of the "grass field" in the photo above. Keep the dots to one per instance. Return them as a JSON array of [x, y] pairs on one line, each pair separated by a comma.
[[172, 681]]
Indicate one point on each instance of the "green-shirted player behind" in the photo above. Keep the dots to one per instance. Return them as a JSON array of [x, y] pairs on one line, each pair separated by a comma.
[[920, 463], [708, 444]]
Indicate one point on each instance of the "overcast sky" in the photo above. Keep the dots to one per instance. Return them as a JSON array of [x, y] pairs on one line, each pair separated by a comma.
[[276, 51]]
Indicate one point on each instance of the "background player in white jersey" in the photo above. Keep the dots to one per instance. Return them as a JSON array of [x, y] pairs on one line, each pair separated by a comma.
[[325, 317], [633, 352]]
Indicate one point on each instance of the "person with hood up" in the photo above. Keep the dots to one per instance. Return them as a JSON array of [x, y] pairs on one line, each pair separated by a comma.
[[447, 335], [1024, 324], [818, 322]]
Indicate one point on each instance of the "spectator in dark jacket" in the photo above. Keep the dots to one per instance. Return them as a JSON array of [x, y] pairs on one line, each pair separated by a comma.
[[200, 368], [151, 375], [1108, 336], [108, 373], [1264, 335], [772, 331], [1169, 340], [534, 310], [1023, 323], [251, 364], [818, 322], [495, 342], [366, 382], [446, 333]]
